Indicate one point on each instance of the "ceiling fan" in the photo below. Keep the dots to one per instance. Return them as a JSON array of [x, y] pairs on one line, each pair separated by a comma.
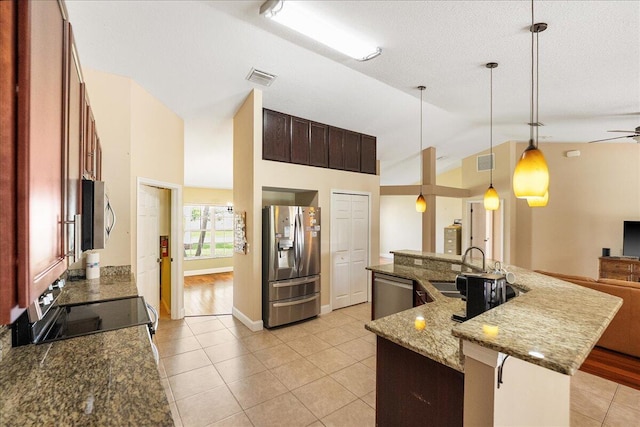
[[634, 134]]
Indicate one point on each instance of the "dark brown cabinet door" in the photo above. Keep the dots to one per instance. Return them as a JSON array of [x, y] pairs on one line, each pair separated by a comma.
[[300, 134], [41, 134], [352, 151], [319, 146], [276, 136], [368, 154], [8, 194], [336, 148], [72, 166]]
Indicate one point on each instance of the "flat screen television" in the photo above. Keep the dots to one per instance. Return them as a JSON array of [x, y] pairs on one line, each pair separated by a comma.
[[631, 241]]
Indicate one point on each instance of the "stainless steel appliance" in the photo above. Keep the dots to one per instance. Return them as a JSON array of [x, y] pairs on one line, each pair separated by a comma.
[[391, 295], [98, 217], [483, 292], [290, 264]]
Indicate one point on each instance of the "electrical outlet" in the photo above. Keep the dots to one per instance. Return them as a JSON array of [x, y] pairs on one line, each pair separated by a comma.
[[417, 261], [456, 267]]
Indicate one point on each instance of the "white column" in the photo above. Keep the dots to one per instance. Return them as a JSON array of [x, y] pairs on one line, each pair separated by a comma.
[[528, 395]]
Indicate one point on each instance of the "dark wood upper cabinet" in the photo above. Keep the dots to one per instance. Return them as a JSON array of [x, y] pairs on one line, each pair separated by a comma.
[[368, 154], [336, 148], [300, 134], [291, 139], [352, 151], [276, 136], [73, 149], [40, 138], [319, 147]]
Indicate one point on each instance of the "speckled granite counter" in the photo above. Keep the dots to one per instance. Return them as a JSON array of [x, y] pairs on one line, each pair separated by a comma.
[[105, 287], [555, 324], [104, 379]]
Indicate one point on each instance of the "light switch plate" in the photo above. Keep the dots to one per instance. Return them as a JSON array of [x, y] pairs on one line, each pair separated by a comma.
[[456, 267], [417, 261]]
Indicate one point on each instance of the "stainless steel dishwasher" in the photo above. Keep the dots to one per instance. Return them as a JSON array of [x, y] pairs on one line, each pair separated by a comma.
[[391, 295]]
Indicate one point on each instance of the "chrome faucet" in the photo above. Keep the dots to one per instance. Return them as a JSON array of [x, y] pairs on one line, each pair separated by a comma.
[[464, 257]]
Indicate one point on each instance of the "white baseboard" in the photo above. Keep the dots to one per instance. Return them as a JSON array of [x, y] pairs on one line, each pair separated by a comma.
[[207, 271], [325, 309], [255, 326]]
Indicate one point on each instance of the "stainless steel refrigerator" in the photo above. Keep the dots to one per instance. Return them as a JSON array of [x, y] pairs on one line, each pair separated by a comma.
[[290, 264]]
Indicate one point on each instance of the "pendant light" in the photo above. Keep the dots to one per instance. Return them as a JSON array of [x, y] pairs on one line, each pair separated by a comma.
[[538, 202], [421, 203], [531, 175], [491, 198]]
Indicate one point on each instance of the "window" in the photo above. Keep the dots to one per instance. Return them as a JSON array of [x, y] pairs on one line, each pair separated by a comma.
[[208, 231]]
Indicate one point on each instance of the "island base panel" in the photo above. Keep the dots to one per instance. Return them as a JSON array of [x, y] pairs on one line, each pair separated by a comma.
[[413, 390]]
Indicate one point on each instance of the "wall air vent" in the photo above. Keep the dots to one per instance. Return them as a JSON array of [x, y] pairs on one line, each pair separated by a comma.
[[486, 162], [261, 77]]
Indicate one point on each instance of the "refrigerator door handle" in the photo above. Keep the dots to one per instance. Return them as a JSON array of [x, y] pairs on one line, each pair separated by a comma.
[[298, 242]]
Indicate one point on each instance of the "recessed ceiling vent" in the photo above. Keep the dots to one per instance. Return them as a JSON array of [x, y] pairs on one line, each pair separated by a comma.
[[486, 162], [261, 77]]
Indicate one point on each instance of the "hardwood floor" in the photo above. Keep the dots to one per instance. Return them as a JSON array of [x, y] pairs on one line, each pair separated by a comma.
[[208, 294], [613, 366]]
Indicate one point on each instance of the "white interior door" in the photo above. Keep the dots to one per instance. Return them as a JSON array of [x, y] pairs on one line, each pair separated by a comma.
[[349, 248], [148, 272]]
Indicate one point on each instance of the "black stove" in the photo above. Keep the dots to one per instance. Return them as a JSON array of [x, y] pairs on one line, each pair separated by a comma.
[[69, 321]]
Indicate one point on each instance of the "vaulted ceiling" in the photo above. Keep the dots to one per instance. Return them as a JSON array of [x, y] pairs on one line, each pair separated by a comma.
[[194, 56]]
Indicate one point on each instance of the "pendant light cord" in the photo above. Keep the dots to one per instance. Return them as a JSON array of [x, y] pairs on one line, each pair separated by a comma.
[[537, 88], [531, 118], [491, 128], [422, 88]]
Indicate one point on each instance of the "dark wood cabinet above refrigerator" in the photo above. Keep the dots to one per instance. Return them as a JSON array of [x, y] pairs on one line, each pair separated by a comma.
[[291, 139]]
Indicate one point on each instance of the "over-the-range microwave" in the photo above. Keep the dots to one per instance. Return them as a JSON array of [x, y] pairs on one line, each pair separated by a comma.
[[98, 217]]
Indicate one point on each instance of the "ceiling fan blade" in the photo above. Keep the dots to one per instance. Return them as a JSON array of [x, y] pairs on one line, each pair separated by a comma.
[[609, 139]]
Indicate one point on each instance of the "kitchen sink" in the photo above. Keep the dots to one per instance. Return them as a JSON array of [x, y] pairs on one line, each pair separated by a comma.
[[448, 289]]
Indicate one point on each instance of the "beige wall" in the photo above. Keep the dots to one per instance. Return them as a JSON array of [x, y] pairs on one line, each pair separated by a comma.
[[140, 137], [400, 224], [247, 278], [208, 196], [447, 208], [258, 174], [110, 98], [478, 182], [590, 197]]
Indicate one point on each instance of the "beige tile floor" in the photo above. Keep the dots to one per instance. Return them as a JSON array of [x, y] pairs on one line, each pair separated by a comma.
[[216, 372]]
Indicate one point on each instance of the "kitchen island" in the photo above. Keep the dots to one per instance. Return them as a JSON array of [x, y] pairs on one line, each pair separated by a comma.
[[548, 330], [104, 379]]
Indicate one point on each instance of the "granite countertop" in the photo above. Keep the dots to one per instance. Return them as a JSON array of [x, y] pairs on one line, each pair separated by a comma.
[[554, 324], [102, 288], [435, 340], [104, 379]]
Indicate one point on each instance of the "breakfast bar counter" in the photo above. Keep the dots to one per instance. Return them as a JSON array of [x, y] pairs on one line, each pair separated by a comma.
[[454, 373], [552, 323]]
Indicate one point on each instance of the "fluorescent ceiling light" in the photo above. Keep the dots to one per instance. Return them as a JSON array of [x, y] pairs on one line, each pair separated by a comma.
[[294, 15]]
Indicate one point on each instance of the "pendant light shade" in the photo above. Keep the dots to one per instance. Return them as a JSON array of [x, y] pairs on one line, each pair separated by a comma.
[[538, 202], [421, 203], [491, 198], [531, 176]]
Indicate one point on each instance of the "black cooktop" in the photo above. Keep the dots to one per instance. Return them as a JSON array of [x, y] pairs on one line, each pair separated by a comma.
[[90, 318]]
